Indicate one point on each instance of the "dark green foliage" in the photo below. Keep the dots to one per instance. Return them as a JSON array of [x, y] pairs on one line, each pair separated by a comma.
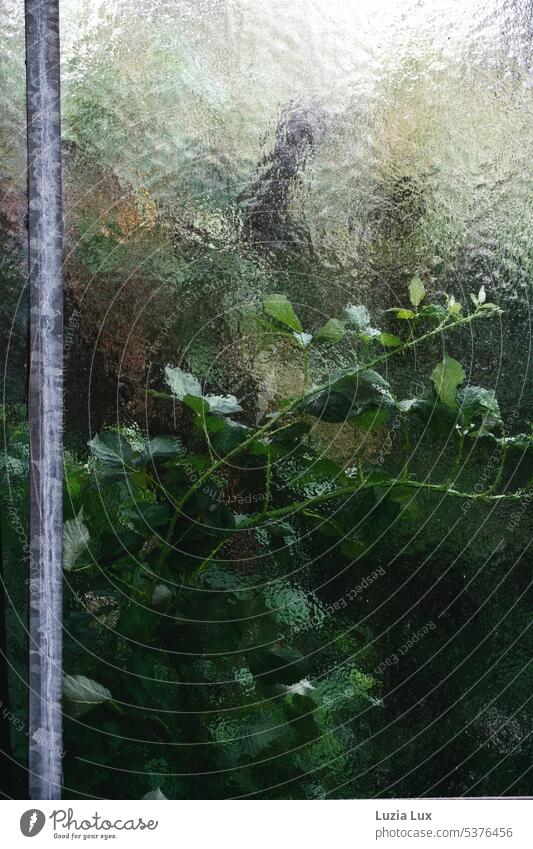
[[221, 633]]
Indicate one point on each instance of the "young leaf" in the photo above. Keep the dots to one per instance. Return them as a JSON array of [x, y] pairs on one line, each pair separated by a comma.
[[333, 331], [279, 307], [182, 383], [435, 311], [453, 306], [417, 291], [389, 340], [446, 378], [83, 693], [111, 448], [405, 315], [75, 540]]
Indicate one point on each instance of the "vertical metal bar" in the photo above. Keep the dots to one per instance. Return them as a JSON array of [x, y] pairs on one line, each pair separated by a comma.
[[6, 787], [45, 396]]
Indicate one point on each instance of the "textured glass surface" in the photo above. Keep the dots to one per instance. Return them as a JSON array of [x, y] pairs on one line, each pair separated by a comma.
[[216, 152], [13, 200], [335, 146]]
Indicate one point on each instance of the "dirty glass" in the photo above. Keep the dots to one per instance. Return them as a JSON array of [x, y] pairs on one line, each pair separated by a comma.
[[297, 396]]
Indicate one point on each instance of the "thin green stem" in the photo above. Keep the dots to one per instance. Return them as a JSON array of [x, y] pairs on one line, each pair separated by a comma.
[[406, 450], [453, 473], [256, 434], [306, 368], [294, 403], [268, 472], [300, 506], [114, 577], [207, 438], [208, 559], [499, 474]]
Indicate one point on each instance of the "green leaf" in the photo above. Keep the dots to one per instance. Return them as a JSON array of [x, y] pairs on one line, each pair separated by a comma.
[[362, 382], [327, 405], [389, 340], [196, 403], [479, 406], [147, 515], [406, 498], [162, 595], [370, 419], [453, 307], [182, 383], [75, 540], [161, 448], [409, 404], [320, 470], [417, 291], [439, 417], [350, 392], [522, 441], [446, 378], [155, 794], [358, 314], [292, 434], [223, 405], [213, 424], [154, 393], [228, 437], [352, 548], [333, 331], [435, 311], [279, 307], [82, 694], [111, 448], [490, 309], [405, 315]]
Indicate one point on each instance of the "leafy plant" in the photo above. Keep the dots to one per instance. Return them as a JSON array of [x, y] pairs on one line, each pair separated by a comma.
[[186, 583]]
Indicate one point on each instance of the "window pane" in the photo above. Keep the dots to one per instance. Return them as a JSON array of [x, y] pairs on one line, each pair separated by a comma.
[[265, 198]]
